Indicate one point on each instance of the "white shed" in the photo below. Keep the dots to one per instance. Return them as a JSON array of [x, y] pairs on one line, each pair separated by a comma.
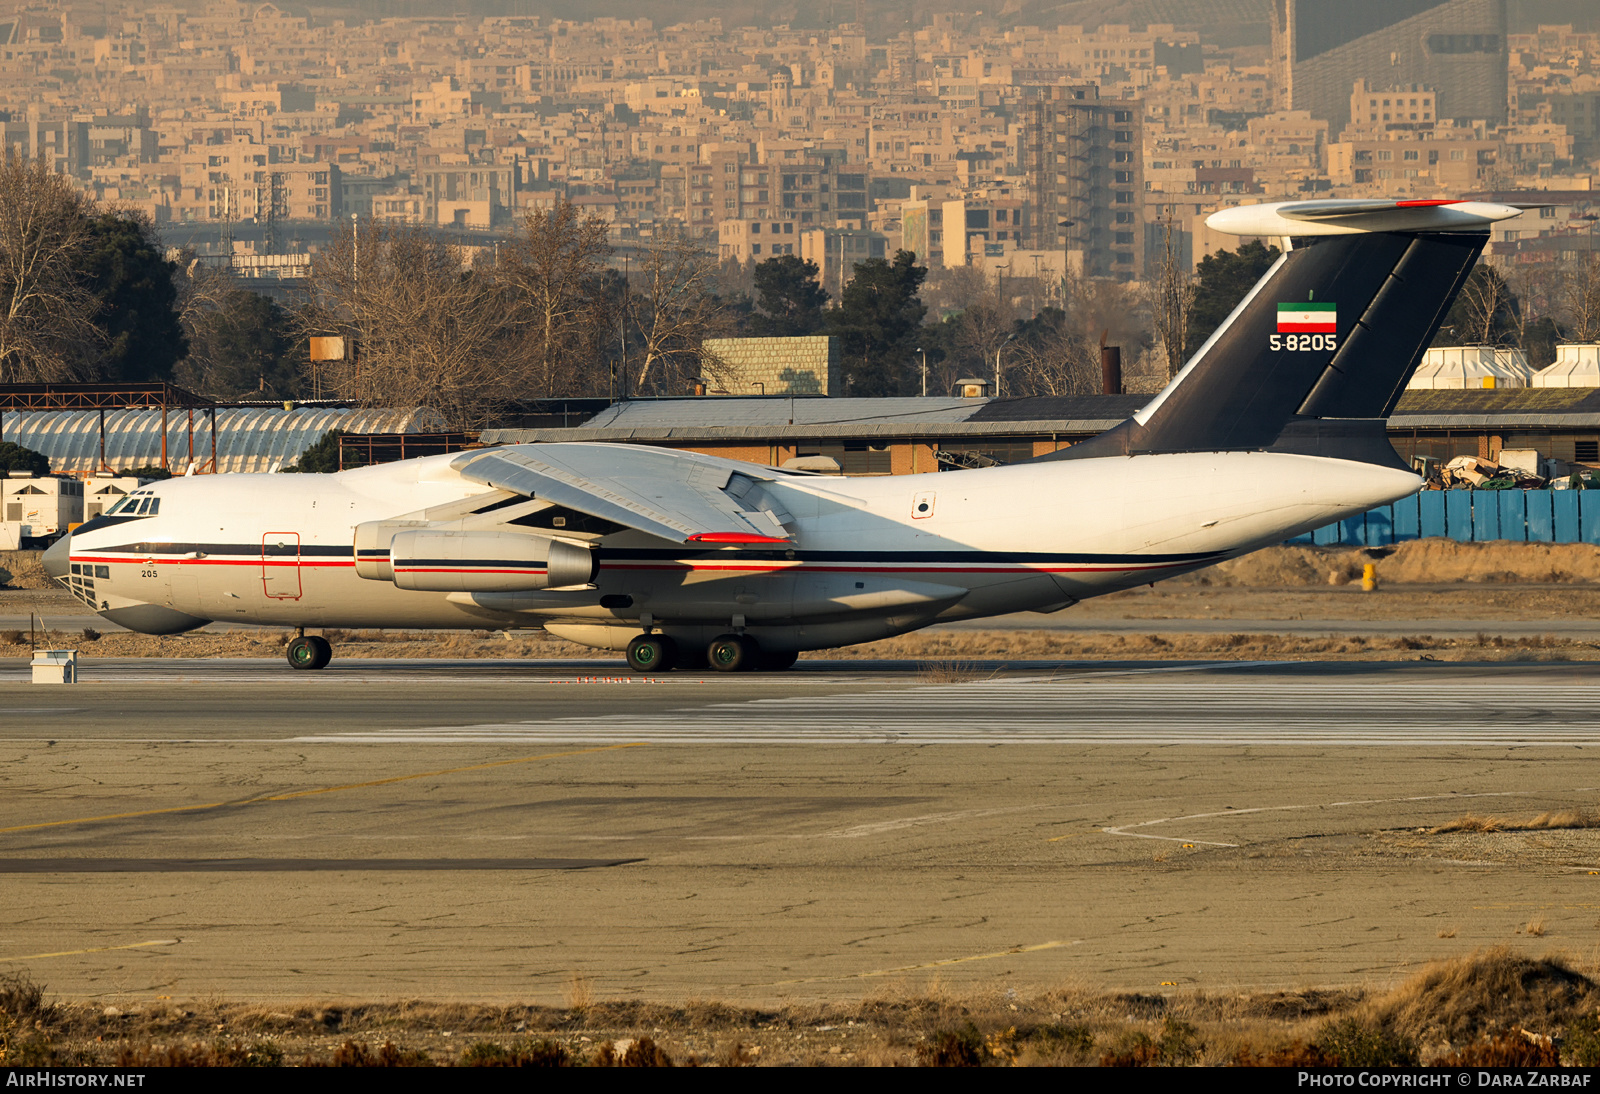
[[1459, 367], [1575, 366]]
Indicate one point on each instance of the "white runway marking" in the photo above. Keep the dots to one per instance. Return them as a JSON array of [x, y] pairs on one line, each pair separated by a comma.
[[1104, 710], [1128, 829]]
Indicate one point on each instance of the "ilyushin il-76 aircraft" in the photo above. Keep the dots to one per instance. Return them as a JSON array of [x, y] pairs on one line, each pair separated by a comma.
[[1274, 427]]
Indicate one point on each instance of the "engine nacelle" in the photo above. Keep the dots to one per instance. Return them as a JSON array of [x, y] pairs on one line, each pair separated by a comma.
[[469, 562]]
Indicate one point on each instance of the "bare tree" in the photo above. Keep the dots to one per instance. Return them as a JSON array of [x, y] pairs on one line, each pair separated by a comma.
[[552, 267], [1489, 308], [1053, 358], [1173, 291], [674, 308], [47, 327], [421, 329], [1579, 293], [1539, 287]]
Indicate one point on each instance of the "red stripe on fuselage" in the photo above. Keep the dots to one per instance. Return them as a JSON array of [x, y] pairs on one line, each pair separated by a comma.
[[751, 567]]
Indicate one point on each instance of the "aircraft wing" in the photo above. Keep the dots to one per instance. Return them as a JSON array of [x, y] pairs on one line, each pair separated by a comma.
[[680, 496]]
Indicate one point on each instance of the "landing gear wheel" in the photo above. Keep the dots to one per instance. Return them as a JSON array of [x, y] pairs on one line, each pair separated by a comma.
[[652, 653], [733, 653], [777, 662], [309, 652]]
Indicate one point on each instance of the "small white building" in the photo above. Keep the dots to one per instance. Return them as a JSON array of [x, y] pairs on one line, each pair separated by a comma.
[[1461, 367], [103, 491], [37, 508], [1575, 366]]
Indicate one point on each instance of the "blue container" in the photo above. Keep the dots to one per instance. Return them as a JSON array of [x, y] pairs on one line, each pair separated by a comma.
[[1541, 516], [1353, 530], [1513, 514], [1588, 515], [1431, 510], [1380, 526], [1328, 535], [1458, 515], [1406, 520], [1485, 516], [1565, 514]]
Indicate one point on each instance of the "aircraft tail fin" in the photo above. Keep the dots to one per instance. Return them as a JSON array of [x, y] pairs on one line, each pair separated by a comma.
[[1316, 356]]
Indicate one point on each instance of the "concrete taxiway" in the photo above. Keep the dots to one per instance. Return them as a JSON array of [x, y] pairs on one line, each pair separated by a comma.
[[486, 830]]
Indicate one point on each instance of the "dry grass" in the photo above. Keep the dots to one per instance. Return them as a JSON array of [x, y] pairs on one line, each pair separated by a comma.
[[1471, 822], [579, 992], [951, 672], [1464, 999], [1487, 1006]]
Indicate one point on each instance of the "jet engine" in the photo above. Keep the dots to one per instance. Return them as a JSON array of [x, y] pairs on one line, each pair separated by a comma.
[[442, 561]]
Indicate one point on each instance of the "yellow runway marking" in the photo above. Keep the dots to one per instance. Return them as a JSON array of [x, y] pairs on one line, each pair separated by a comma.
[[319, 790], [97, 949], [933, 964]]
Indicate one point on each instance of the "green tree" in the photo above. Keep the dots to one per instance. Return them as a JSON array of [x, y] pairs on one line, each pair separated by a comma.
[[1540, 339], [321, 458], [13, 457], [790, 299], [1221, 281], [241, 346], [125, 270], [878, 319]]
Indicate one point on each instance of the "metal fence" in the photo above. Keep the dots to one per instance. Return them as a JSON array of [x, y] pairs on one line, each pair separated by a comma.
[[1530, 516]]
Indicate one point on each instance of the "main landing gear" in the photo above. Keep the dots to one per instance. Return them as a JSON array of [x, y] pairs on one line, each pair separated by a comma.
[[725, 653], [309, 651], [652, 653]]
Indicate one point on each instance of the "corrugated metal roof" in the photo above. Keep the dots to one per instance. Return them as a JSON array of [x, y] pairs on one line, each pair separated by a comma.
[[869, 430], [248, 439], [1498, 401], [1500, 421], [764, 413]]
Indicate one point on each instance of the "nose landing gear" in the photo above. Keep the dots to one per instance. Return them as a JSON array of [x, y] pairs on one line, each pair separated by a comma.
[[309, 651]]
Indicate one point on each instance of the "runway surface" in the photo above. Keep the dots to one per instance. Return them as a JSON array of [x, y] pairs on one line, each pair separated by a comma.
[[484, 830]]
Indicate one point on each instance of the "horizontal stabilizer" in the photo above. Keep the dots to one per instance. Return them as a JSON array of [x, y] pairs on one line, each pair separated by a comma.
[[1332, 216]]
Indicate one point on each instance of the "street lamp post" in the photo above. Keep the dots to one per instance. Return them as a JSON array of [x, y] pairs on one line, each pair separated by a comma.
[[1592, 219], [998, 375], [924, 371]]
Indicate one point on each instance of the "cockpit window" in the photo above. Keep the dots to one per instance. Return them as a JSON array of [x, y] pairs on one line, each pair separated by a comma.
[[136, 505]]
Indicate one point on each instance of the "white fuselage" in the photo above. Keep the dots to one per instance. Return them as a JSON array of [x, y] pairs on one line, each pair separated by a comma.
[[871, 556]]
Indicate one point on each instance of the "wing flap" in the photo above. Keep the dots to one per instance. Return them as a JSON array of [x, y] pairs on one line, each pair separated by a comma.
[[679, 496]]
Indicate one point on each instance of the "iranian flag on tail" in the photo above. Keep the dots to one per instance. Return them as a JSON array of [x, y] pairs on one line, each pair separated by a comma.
[[1308, 318]]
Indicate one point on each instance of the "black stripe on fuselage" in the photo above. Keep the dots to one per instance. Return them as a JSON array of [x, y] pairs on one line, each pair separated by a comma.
[[252, 550]]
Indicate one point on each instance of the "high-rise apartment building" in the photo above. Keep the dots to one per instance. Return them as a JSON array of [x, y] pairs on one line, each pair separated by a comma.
[[1083, 158], [1457, 48]]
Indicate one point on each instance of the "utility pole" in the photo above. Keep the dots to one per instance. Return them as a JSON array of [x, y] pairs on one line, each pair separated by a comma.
[[998, 375]]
